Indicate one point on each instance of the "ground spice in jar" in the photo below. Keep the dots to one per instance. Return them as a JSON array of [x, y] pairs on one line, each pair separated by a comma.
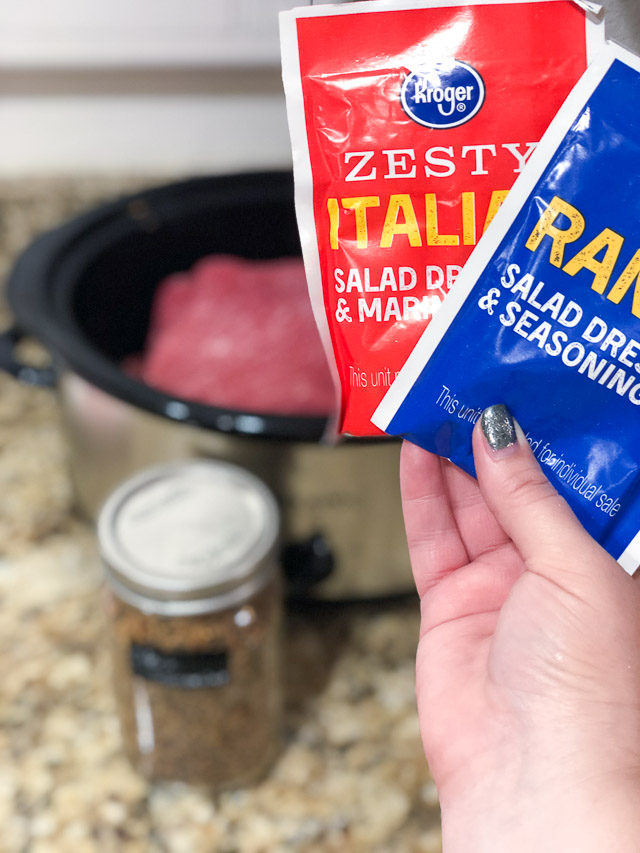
[[195, 601]]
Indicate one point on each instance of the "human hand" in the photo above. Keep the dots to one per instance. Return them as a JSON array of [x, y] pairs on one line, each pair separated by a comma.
[[528, 665]]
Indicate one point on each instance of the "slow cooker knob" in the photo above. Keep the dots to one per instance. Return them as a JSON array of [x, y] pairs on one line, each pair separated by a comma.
[[306, 563]]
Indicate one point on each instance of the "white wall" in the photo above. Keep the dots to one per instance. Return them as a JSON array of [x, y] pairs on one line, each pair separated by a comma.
[[140, 86], [89, 33], [154, 86], [153, 134]]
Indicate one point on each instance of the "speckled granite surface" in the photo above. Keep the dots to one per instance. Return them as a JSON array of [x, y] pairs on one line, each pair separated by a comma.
[[351, 776]]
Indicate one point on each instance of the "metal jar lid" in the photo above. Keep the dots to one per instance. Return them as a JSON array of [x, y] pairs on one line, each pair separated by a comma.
[[189, 537]]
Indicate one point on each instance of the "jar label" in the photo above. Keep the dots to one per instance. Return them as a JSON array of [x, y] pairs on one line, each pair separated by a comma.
[[190, 670]]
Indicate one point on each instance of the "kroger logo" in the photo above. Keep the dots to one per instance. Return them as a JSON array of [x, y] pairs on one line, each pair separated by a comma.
[[445, 95]]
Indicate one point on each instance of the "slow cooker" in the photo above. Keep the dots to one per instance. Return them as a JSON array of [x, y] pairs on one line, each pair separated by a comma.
[[85, 291]]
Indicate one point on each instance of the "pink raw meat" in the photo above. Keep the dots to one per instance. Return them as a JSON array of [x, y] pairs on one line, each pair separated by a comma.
[[241, 335]]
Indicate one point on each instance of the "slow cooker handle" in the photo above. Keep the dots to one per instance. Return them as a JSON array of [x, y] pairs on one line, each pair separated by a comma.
[[43, 377]]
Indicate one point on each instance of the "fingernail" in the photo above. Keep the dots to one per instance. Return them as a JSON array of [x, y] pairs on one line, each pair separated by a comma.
[[499, 428]]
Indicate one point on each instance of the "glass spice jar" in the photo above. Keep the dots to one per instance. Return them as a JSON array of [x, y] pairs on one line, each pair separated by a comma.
[[195, 600]]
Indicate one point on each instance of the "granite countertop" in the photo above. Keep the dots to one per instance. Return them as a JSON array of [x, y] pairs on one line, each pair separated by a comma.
[[351, 776]]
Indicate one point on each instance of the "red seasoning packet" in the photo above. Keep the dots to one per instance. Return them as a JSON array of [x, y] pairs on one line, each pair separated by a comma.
[[409, 123]]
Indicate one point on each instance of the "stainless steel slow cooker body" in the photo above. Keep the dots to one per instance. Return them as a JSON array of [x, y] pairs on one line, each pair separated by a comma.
[[85, 291]]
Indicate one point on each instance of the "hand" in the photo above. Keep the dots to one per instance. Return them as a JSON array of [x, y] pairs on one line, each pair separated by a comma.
[[528, 665]]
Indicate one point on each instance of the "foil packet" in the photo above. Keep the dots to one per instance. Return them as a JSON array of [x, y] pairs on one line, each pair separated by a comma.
[[546, 316], [409, 122]]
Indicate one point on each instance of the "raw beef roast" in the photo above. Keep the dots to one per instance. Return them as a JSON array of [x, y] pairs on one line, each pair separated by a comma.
[[238, 334]]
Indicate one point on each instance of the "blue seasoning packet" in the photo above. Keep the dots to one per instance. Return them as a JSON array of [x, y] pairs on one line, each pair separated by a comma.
[[545, 316]]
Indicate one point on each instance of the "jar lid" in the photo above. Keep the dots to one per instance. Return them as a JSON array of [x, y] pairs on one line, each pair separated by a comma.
[[190, 530]]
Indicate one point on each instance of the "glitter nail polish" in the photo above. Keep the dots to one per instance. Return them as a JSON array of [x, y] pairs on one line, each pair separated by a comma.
[[498, 427]]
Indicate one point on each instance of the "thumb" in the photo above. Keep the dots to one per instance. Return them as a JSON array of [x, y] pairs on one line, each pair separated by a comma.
[[549, 537]]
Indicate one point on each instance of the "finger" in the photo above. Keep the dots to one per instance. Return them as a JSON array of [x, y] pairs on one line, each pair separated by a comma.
[[479, 529], [539, 522], [435, 546]]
